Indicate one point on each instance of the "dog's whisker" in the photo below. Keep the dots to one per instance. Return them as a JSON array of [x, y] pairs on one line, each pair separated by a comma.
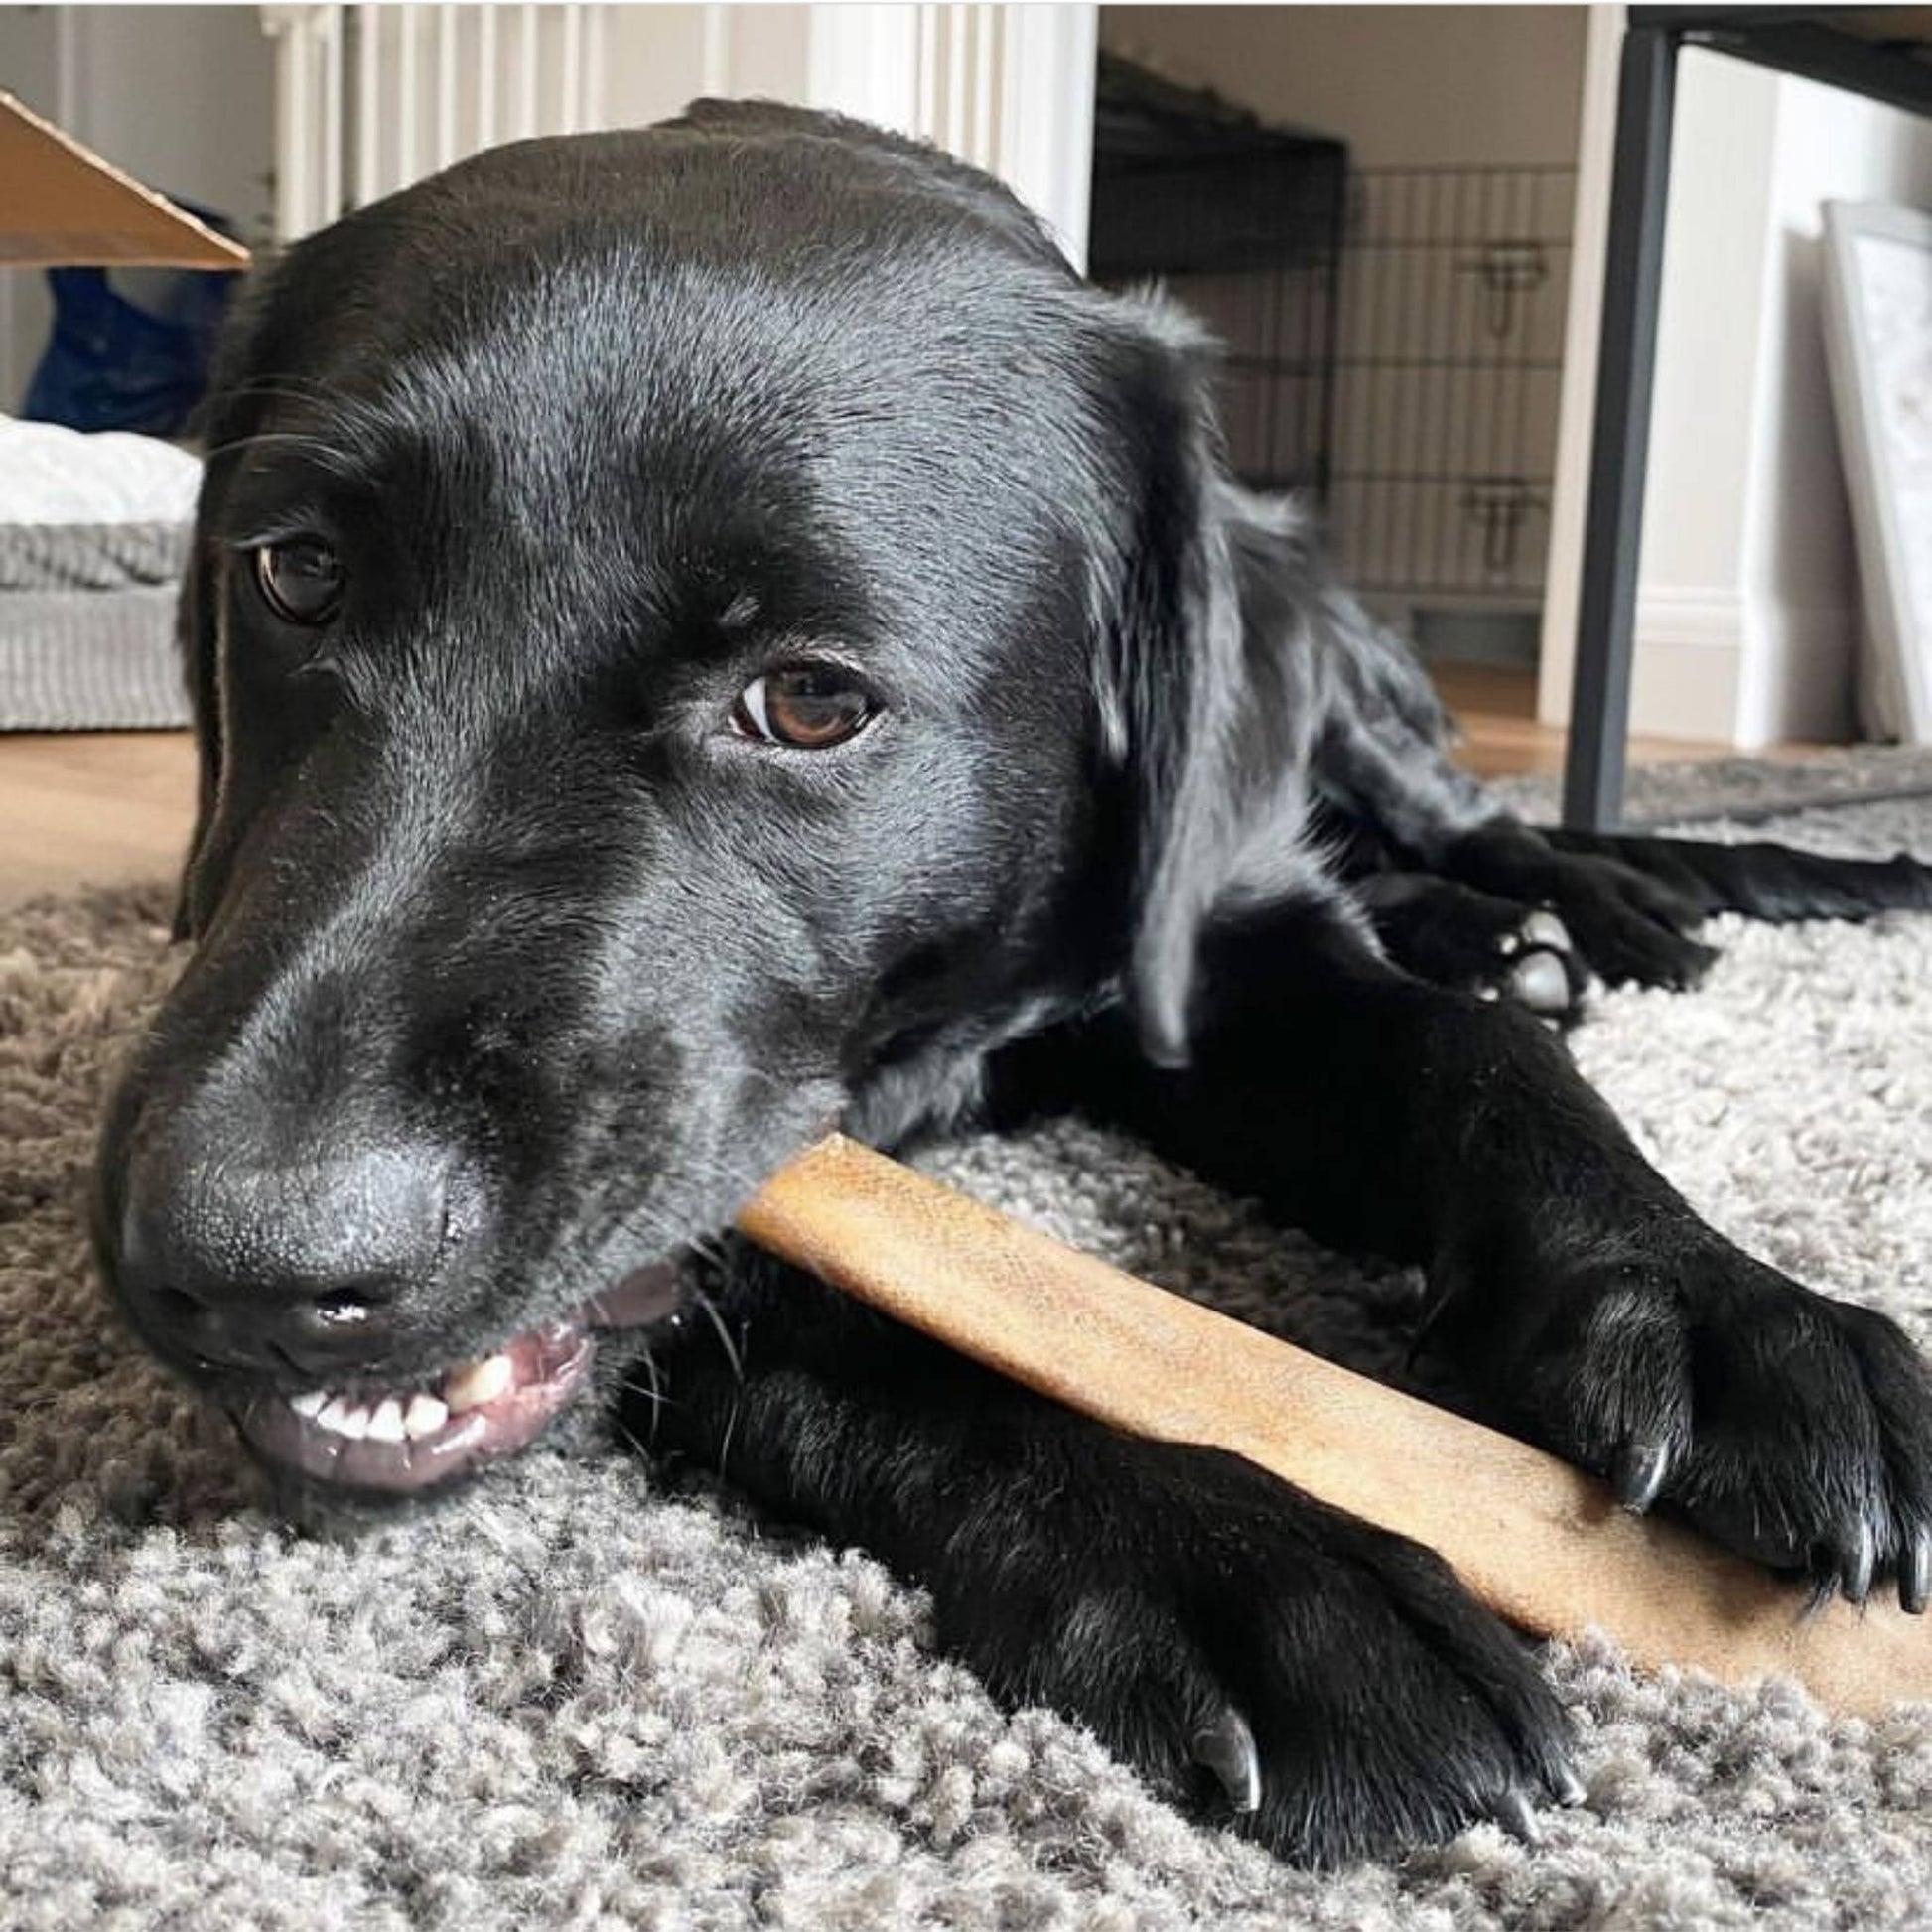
[[300, 387], [340, 404], [328, 455], [725, 1341], [642, 1450], [725, 1438], [654, 1392]]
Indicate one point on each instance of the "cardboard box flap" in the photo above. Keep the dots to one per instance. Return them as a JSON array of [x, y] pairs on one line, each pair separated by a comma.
[[62, 207]]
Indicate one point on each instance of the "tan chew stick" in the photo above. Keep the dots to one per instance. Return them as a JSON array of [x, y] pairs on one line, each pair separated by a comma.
[[1542, 1544]]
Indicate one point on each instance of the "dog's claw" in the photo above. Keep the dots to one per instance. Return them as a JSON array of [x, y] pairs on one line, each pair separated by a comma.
[[1856, 1561], [1640, 1470], [1915, 1571], [1544, 928], [1227, 1748], [1566, 1786], [1540, 983], [1512, 1812]]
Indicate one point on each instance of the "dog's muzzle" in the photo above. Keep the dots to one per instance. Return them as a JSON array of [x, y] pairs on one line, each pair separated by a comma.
[[285, 1285]]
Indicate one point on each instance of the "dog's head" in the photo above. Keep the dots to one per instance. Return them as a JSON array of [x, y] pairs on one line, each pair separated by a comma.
[[695, 635]]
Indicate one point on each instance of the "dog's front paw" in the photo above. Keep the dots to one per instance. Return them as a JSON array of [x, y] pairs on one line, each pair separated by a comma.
[[1329, 1688], [1792, 1428], [1628, 942], [1629, 927]]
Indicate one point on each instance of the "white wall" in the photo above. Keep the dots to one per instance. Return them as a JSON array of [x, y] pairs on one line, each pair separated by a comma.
[[1746, 602], [29, 66], [660, 58], [179, 96], [1402, 85], [1798, 574]]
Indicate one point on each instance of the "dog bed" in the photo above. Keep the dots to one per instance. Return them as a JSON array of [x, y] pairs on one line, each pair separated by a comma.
[[94, 539]]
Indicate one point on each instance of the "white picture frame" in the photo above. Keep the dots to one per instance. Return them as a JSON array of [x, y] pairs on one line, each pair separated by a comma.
[[1878, 293]]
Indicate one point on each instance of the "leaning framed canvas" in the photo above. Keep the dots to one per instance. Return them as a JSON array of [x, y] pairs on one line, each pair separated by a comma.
[[1878, 345]]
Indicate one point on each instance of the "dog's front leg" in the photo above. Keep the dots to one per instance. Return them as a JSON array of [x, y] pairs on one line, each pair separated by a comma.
[[1584, 1303], [1325, 1685]]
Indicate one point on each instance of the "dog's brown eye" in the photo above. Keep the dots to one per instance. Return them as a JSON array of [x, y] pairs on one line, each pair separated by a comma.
[[301, 579], [806, 706]]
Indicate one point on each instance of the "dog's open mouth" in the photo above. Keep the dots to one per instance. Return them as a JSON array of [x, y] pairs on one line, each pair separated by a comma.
[[409, 1438]]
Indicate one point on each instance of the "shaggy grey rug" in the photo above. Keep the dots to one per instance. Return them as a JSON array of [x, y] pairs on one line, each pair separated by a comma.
[[581, 1699], [1690, 792]]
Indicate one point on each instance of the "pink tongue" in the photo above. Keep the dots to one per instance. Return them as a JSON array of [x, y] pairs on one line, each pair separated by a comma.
[[645, 1295]]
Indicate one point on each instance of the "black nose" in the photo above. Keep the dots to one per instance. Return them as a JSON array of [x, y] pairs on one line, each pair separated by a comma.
[[296, 1264]]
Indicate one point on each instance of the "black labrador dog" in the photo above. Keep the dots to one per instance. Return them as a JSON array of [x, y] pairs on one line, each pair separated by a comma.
[[703, 634]]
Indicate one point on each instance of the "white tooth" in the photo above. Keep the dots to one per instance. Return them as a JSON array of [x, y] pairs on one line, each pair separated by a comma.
[[425, 1414], [310, 1406], [476, 1383], [345, 1421], [385, 1422]]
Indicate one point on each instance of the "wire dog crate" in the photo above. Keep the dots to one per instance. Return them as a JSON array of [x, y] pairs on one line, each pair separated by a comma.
[[1243, 225], [1394, 335], [1455, 289]]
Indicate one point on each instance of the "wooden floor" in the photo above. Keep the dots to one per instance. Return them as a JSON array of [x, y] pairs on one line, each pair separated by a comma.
[[94, 807], [1496, 706], [110, 806]]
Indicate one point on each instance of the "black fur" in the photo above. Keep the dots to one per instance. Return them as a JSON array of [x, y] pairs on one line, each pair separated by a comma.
[[515, 969]]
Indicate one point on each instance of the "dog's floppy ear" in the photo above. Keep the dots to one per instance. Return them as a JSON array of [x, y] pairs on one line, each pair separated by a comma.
[[1193, 680], [231, 411], [197, 618]]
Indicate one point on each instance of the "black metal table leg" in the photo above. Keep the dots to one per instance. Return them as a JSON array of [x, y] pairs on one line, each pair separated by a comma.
[[1599, 704]]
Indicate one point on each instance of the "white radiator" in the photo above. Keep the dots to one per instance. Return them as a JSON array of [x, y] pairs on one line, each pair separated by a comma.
[[371, 98]]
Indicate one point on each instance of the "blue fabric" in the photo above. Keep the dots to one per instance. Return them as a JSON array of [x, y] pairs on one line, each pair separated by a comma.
[[114, 363]]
